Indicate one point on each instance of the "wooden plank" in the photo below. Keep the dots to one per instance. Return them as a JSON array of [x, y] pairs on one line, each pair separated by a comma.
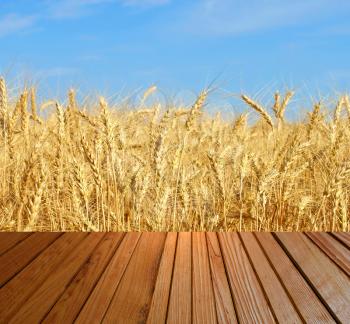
[[100, 298], [68, 306], [343, 237], [203, 303], [15, 259], [8, 240], [224, 304], [308, 304], [330, 282], [179, 310], [19, 289], [249, 299], [335, 250], [160, 299], [188, 272], [281, 304], [133, 296], [51, 289]]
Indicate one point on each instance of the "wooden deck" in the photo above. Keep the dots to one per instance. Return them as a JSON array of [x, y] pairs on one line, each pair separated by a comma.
[[174, 278]]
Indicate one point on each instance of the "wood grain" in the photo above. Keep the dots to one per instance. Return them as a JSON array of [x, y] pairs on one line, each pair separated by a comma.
[[15, 259], [330, 282], [52, 288], [8, 240], [203, 303], [21, 287], [68, 306], [275, 292], [308, 304], [249, 299], [96, 306], [335, 250], [224, 305], [174, 278], [180, 310], [133, 297], [160, 299], [343, 237]]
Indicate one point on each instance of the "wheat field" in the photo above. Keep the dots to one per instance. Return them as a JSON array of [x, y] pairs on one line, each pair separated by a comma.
[[163, 168]]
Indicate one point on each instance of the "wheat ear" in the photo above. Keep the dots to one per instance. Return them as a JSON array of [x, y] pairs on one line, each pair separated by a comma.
[[259, 109]]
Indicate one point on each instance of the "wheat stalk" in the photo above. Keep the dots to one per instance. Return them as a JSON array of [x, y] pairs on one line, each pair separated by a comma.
[[259, 109], [195, 110], [3, 104], [34, 204]]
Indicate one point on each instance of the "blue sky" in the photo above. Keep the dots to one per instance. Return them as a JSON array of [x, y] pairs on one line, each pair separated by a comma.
[[109, 45]]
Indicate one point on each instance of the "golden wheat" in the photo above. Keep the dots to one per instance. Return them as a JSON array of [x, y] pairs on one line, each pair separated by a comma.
[[166, 168]]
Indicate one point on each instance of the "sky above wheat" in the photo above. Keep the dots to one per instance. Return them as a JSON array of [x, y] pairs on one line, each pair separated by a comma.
[[109, 45]]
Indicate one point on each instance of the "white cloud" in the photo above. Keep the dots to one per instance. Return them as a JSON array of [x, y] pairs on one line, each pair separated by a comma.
[[56, 72], [65, 9], [144, 3], [336, 30], [233, 17], [12, 23], [62, 9]]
